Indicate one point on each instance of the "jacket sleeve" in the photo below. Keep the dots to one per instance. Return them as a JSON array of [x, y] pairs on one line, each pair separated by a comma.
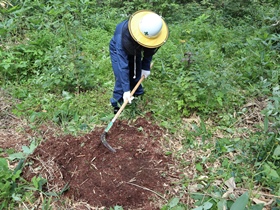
[[146, 63], [147, 58]]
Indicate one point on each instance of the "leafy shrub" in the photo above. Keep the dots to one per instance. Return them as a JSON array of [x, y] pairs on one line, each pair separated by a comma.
[[14, 188], [11, 185], [56, 54]]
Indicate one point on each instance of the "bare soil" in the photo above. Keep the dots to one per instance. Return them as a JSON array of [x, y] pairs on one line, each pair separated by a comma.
[[135, 177]]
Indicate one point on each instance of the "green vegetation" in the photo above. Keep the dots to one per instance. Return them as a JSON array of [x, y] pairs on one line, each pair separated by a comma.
[[220, 67], [15, 189]]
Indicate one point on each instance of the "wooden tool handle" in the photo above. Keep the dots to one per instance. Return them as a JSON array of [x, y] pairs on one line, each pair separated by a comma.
[[136, 86], [126, 101]]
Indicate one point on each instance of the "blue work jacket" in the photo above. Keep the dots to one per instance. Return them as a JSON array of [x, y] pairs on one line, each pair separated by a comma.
[[128, 59]]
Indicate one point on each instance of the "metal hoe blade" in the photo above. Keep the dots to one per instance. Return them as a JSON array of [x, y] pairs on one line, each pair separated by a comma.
[[105, 143]]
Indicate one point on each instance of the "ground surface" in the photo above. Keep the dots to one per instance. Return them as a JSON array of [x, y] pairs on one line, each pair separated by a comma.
[[138, 176], [135, 177]]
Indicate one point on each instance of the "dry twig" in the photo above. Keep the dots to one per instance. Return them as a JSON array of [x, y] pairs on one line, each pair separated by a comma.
[[145, 188]]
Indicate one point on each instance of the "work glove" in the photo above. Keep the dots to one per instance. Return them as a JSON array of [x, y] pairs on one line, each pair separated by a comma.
[[145, 73], [126, 96]]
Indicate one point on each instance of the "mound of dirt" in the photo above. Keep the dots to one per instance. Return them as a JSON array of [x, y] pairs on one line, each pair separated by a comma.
[[135, 177]]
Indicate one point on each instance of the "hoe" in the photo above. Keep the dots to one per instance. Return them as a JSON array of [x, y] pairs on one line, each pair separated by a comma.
[[104, 134]]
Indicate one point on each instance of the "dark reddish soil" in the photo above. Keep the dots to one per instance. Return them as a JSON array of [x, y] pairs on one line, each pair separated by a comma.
[[135, 177]]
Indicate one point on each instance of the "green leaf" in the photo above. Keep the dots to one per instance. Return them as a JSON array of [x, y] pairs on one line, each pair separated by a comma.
[[32, 146], [25, 149], [178, 208], [35, 182], [18, 155], [3, 164], [16, 197], [207, 205], [222, 204], [16, 175], [199, 167], [173, 202], [197, 196], [270, 172], [276, 152], [38, 182], [241, 202], [6, 65], [265, 124], [257, 207], [66, 95]]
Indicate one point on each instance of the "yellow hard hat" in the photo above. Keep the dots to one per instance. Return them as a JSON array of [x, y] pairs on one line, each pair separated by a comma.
[[148, 29]]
